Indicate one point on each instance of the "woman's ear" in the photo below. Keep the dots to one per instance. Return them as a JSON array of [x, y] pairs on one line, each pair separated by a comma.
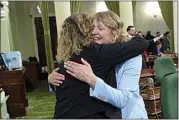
[[114, 36]]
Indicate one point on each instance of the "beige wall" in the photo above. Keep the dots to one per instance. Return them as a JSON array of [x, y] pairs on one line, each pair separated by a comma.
[[126, 14], [5, 43], [88, 7], [145, 22], [101, 6]]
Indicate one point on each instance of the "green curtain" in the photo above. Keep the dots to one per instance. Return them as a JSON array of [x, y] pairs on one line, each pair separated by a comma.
[[167, 12], [75, 6], [47, 38], [133, 7], [113, 6]]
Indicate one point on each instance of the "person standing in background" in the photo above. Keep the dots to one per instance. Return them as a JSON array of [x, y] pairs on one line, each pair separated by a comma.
[[165, 41], [131, 31], [158, 34], [149, 36], [140, 34], [152, 49], [159, 48]]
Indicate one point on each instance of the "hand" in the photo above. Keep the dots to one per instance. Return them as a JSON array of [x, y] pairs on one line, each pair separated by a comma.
[[147, 59], [55, 78], [161, 54], [161, 36], [82, 72], [156, 39]]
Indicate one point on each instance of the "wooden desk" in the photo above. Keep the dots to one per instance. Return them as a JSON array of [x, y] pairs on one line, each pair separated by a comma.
[[151, 97], [13, 84], [32, 70], [151, 59], [147, 73]]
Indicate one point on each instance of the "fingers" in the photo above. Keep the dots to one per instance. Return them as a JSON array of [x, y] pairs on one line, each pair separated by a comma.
[[161, 36], [72, 63], [71, 70], [69, 67], [72, 66], [58, 76], [55, 78], [71, 73], [56, 69], [56, 82], [156, 39], [85, 62]]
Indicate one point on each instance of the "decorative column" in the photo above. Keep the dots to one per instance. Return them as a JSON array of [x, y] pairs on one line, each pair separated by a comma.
[[62, 11], [5, 36], [126, 14]]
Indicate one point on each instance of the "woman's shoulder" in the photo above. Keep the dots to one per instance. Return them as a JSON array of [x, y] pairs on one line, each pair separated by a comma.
[[137, 37], [95, 47], [135, 61]]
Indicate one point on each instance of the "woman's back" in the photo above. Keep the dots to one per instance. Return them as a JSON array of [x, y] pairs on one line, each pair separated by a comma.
[[73, 95]]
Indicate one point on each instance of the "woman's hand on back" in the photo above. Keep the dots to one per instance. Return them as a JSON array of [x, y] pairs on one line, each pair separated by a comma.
[[55, 78], [82, 72]]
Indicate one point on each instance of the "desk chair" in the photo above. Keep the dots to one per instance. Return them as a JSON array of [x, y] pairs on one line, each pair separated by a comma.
[[165, 72], [163, 66], [169, 97]]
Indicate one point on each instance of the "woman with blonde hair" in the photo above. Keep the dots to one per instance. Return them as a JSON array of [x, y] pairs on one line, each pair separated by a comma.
[[72, 97]]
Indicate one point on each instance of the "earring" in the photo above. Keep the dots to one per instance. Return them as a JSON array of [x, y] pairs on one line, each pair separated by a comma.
[[113, 39]]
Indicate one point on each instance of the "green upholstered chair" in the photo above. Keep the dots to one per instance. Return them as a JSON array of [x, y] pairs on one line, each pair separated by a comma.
[[169, 96], [166, 74], [163, 66]]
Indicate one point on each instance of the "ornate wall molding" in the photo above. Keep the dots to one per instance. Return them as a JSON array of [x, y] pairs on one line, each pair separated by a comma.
[[4, 8]]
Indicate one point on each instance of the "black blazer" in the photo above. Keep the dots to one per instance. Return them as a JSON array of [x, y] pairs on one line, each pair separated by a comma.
[[152, 47], [72, 97]]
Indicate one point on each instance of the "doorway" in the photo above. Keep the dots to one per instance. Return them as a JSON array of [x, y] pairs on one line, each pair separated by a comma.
[[40, 38]]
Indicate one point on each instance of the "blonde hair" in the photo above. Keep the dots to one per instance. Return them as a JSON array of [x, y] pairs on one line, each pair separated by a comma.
[[75, 35], [113, 22]]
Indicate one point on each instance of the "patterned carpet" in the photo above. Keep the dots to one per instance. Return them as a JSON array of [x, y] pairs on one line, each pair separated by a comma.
[[41, 104]]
